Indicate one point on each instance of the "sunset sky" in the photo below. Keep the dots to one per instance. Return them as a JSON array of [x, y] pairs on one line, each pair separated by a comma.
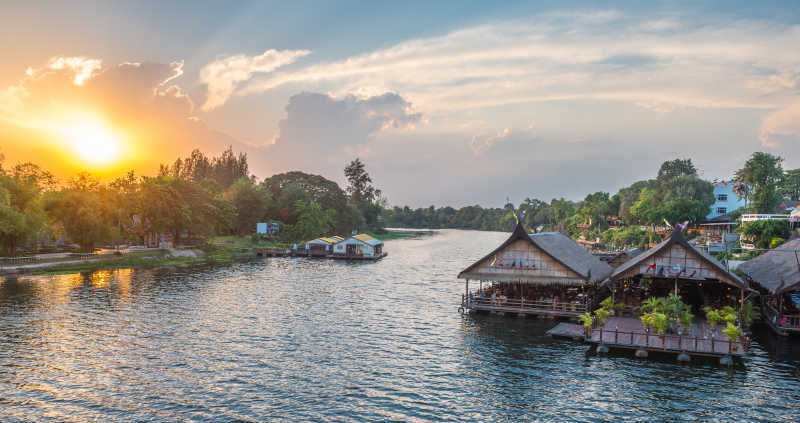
[[448, 103]]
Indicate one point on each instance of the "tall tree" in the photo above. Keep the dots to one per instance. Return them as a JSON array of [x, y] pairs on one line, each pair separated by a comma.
[[252, 203], [359, 182], [675, 168], [764, 173], [82, 211], [791, 185]]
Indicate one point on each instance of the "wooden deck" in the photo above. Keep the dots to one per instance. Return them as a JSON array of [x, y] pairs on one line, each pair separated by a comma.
[[628, 332], [262, 252], [527, 307]]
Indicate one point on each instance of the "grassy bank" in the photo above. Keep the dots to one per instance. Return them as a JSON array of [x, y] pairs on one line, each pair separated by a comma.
[[389, 235], [148, 260]]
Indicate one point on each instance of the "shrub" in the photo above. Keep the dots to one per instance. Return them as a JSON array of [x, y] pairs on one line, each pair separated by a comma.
[[602, 315]]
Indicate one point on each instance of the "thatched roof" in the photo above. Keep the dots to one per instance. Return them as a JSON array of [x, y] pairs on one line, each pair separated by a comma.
[[628, 269], [558, 246], [776, 271]]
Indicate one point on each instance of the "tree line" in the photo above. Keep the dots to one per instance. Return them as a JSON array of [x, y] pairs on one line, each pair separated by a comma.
[[193, 198], [676, 194]]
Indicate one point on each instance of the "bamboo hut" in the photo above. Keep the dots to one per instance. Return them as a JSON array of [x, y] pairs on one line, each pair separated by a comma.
[[672, 267], [538, 274], [776, 275]]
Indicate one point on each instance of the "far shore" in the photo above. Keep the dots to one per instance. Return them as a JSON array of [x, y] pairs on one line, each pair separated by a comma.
[[220, 250]]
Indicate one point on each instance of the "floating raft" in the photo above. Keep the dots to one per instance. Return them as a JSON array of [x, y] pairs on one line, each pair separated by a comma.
[[567, 330], [263, 252]]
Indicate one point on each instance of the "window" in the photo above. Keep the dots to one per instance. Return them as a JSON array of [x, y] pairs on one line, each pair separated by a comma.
[[722, 197], [722, 210]]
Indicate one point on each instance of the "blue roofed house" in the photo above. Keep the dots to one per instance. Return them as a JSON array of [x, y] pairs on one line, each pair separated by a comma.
[[725, 199]]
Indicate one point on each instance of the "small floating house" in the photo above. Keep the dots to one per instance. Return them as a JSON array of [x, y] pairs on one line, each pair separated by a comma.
[[700, 281], [776, 275], [538, 274], [361, 245], [323, 245]]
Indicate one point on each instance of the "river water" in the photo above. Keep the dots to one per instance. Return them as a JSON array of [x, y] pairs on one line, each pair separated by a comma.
[[304, 340]]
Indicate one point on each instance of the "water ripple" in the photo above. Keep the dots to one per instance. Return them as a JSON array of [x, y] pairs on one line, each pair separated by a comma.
[[306, 340]]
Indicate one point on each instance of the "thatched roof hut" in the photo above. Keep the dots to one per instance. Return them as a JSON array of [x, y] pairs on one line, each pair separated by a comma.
[[545, 258], [676, 258], [776, 271]]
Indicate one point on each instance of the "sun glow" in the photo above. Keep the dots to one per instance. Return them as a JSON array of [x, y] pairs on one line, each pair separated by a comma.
[[92, 141]]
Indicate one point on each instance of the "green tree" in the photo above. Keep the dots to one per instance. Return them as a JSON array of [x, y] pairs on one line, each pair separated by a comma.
[[762, 232], [82, 212], [676, 168], [764, 173], [252, 204], [790, 189], [21, 215], [312, 221], [563, 210]]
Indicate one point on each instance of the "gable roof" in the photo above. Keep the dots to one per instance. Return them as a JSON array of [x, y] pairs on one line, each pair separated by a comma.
[[677, 238], [776, 271], [558, 246], [367, 239]]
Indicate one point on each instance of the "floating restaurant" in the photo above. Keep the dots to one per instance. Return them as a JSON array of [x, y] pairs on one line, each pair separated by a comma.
[[776, 275], [545, 274], [357, 247], [675, 274]]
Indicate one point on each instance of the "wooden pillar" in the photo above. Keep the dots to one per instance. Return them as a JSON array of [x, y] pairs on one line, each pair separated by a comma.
[[466, 291]]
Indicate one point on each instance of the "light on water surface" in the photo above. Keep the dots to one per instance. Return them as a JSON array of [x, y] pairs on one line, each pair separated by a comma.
[[300, 340]]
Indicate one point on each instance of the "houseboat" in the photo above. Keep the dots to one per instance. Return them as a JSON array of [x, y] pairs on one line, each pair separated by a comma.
[[672, 267], [361, 246], [776, 275], [544, 274]]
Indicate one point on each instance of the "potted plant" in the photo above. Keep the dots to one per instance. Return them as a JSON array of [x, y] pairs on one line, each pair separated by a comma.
[[647, 321], [602, 315], [733, 333], [612, 307], [713, 317], [686, 321], [587, 319]]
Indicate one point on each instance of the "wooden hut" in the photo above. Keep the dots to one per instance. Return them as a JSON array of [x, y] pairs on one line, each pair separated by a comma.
[[538, 274], [322, 246], [776, 275], [672, 266], [361, 245]]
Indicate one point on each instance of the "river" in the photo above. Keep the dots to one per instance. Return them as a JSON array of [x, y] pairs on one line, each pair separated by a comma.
[[304, 340]]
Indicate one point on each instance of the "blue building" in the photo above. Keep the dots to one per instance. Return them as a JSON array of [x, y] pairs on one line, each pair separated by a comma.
[[725, 199]]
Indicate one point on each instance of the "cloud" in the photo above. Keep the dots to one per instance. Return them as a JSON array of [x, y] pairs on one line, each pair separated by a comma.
[[671, 62], [323, 132], [82, 66], [509, 138], [223, 75], [139, 101], [781, 126]]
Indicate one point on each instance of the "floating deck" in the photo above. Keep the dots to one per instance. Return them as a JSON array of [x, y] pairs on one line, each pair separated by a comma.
[[567, 330], [263, 252], [628, 333]]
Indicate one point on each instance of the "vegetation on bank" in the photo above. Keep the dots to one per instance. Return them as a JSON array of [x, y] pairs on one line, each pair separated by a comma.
[[193, 200], [630, 217]]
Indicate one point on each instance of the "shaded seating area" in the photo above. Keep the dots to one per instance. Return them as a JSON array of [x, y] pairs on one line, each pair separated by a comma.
[[776, 275], [683, 276], [545, 274]]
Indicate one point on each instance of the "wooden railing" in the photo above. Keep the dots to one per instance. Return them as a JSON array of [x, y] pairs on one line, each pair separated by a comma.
[[789, 321], [710, 345], [513, 303]]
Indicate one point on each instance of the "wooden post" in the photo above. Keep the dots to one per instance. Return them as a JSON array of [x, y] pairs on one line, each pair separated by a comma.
[[466, 291]]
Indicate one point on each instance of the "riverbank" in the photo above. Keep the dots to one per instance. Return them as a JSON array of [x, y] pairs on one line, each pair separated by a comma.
[[218, 250]]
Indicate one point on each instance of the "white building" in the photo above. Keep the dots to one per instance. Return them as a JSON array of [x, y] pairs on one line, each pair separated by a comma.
[[359, 245]]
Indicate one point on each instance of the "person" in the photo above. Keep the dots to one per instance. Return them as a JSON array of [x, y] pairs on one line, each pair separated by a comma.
[[494, 297]]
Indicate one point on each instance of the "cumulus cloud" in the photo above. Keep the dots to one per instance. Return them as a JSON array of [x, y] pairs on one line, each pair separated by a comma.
[[323, 131], [223, 75], [83, 67], [781, 126], [662, 63], [509, 138]]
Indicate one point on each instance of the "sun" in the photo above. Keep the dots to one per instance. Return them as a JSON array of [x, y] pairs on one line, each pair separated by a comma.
[[92, 141]]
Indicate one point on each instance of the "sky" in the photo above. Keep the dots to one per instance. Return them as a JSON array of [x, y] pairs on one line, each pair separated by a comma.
[[447, 103]]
